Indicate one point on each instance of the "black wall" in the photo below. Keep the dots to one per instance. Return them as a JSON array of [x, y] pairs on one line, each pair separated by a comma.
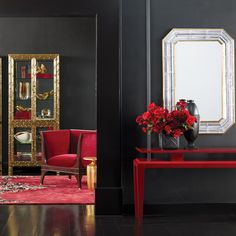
[[169, 186], [108, 84], [74, 39], [121, 99]]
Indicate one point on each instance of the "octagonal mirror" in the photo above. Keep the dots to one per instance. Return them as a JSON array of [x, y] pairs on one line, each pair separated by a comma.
[[198, 64]]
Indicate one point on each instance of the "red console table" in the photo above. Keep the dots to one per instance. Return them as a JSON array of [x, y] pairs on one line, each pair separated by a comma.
[[176, 161]]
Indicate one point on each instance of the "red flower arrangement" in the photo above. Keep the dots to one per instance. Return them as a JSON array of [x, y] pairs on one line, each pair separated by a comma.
[[158, 119]]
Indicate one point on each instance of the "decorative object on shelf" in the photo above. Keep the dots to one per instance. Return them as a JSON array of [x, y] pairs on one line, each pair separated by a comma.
[[41, 69], [22, 108], [171, 123], [45, 95], [45, 113], [22, 112], [22, 115], [23, 156], [191, 134], [24, 90], [23, 71], [23, 137], [41, 76], [44, 76]]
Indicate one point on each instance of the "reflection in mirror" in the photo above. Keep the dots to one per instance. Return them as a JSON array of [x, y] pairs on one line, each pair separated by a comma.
[[199, 67], [198, 64]]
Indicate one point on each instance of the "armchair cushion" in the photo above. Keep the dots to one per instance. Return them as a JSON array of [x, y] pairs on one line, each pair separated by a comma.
[[57, 142], [64, 160]]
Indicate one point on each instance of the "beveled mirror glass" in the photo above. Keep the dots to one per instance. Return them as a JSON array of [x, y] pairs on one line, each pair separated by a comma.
[[198, 64]]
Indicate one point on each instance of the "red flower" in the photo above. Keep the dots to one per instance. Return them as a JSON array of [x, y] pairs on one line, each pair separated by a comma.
[[155, 129], [191, 120], [152, 106], [144, 130], [181, 105], [139, 120], [146, 115], [177, 133], [167, 129], [158, 119]]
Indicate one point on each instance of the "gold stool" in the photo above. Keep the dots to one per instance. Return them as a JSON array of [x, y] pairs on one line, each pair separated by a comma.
[[91, 172]]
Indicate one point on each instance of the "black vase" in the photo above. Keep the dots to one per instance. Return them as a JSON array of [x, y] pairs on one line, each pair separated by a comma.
[[168, 142], [191, 135]]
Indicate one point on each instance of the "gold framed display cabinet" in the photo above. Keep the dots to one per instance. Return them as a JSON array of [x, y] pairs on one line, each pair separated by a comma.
[[33, 105]]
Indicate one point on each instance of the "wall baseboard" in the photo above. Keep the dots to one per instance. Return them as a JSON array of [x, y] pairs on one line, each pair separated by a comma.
[[184, 209]]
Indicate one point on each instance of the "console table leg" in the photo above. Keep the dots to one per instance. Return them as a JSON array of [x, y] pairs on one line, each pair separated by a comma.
[[138, 191]]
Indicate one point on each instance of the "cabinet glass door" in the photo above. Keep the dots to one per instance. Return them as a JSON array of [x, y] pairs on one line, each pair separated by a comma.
[[22, 93], [22, 144], [44, 89]]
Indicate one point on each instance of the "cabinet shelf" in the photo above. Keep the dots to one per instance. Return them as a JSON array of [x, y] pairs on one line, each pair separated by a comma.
[[48, 99], [22, 100], [23, 78], [38, 100], [38, 76], [19, 145]]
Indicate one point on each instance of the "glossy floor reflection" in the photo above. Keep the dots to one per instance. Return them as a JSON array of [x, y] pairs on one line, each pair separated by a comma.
[[70, 220]]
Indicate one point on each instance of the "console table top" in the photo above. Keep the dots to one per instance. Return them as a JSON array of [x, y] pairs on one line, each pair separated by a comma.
[[197, 150]]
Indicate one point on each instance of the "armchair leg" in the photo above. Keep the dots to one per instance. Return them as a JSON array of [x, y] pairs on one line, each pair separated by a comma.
[[43, 172], [78, 177]]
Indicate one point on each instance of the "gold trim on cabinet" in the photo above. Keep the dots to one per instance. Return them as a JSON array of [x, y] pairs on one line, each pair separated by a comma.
[[36, 56], [34, 122]]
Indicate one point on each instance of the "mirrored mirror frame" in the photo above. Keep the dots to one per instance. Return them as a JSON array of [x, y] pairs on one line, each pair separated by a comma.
[[168, 60]]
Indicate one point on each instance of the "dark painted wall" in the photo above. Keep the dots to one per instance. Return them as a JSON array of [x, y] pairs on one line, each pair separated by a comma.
[[169, 186], [115, 145], [108, 84], [74, 39]]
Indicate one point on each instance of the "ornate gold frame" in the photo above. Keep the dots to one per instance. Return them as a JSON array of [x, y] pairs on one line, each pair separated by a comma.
[[34, 122]]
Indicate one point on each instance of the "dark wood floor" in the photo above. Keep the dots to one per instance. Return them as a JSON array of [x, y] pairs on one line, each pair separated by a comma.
[[70, 220]]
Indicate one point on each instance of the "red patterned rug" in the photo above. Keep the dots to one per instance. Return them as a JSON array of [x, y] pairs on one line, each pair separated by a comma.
[[55, 190]]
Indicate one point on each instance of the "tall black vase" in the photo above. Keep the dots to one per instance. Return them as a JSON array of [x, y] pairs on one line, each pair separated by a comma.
[[192, 134]]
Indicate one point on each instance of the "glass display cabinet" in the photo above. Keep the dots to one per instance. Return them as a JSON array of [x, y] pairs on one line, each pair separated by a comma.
[[33, 105]]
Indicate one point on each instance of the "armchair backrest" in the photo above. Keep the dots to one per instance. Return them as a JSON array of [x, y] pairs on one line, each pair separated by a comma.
[[55, 142], [87, 146], [74, 138]]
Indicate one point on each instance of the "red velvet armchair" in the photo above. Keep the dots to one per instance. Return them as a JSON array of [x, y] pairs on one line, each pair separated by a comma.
[[63, 151]]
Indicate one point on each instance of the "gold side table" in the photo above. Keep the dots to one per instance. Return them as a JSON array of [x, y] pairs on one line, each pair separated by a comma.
[[91, 172]]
